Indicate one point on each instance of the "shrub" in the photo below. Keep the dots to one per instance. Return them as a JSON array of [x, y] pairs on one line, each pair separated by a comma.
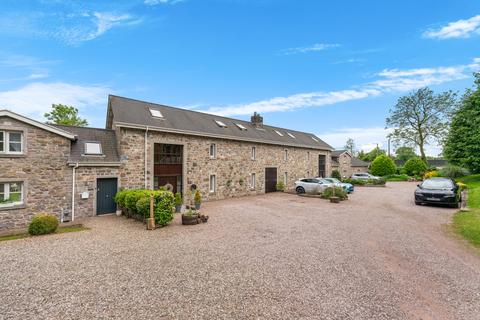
[[132, 197], [339, 192], [163, 202], [397, 177], [377, 182], [120, 198], [383, 165], [355, 181], [462, 186], [431, 174], [198, 197], [178, 199], [453, 172], [43, 224], [415, 166], [280, 186], [336, 174]]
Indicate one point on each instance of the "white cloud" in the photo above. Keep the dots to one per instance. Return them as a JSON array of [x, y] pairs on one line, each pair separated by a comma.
[[389, 80], [456, 29], [37, 98], [313, 48]]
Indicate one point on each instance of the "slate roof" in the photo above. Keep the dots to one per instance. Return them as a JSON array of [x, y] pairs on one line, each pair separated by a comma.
[[337, 153], [126, 111], [105, 137], [359, 163]]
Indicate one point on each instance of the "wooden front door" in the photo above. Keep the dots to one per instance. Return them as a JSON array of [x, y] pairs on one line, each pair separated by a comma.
[[270, 180], [106, 191]]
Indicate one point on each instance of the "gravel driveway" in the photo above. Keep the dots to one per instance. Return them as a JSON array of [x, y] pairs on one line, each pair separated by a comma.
[[277, 256]]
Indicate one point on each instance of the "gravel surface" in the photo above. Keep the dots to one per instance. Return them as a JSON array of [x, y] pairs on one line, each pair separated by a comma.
[[277, 256]]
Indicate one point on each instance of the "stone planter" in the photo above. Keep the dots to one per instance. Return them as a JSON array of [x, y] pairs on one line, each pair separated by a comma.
[[189, 219], [334, 199]]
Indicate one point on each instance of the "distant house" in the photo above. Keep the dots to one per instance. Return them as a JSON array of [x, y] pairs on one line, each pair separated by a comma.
[[432, 163], [347, 164]]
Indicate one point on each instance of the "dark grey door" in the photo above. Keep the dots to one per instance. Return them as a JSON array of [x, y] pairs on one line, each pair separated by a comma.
[[270, 179], [106, 191]]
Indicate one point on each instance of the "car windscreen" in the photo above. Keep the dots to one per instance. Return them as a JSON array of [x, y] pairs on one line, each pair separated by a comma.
[[437, 184]]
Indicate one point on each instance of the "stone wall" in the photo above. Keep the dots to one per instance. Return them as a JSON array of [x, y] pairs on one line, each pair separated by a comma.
[[86, 181], [42, 169], [232, 166]]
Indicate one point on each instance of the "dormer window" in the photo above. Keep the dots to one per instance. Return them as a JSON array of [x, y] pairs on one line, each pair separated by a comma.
[[93, 148], [156, 113], [241, 126], [279, 133], [220, 124], [291, 135]]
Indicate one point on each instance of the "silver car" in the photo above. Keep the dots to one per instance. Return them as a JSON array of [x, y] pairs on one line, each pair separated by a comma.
[[311, 185], [364, 176]]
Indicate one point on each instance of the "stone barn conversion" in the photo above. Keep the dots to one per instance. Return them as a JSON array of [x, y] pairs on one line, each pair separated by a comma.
[[75, 172]]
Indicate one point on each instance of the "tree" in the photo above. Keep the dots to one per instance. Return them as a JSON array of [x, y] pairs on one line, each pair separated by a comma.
[[415, 166], [370, 156], [462, 145], [67, 115], [405, 153], [350, 146], [383, 165], [421, 117]]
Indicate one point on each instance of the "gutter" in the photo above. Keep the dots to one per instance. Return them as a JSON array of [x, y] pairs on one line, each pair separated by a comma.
[[145, 156], [95, 164]]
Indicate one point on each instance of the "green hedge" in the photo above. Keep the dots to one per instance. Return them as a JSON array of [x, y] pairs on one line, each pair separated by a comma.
[[43, 224], [377, 182], [397, 177], [137, 203]]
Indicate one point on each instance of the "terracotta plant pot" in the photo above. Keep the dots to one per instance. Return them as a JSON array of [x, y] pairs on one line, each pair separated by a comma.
[[189, 219], [334, 199]]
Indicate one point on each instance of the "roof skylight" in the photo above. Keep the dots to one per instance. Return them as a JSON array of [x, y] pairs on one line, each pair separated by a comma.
[[241, 126], [315, 139], [93, 148], [220, 123], [279, 133], [291, 135], [156, 113]]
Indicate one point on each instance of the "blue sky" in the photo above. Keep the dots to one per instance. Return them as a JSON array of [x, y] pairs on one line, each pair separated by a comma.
[[330, 68]]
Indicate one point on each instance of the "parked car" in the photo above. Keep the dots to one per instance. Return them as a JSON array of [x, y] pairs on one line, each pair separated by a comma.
[[347, 186], [364, 176], [438, 190], [311, 185]]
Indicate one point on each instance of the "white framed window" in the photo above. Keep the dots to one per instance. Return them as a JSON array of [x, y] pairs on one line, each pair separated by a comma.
[[291, 135], [241, 126], [156, 113], [285, 155], [11, 194], [279, 133], [254, 153], [212, 183], [220, 123], [213, 151], [253, 180], [93, 148], [285, 178], [11, 142]]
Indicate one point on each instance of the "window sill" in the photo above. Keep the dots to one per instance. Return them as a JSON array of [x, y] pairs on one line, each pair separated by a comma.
[[12, 155], [12, 207]]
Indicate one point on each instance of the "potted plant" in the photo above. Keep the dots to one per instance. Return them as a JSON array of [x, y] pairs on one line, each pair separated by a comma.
[[190, 217], [333, 198], [178, 202], [197, 200], [280, 186]]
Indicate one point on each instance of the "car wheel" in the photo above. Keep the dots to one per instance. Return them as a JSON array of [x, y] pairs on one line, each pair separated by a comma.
[[300, 190], [418, 203]]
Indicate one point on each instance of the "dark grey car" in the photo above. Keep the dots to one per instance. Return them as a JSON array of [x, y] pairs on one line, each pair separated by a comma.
[[438, 191]]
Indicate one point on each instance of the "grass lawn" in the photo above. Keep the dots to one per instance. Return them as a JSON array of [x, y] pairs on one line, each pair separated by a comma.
[[66, 229], [467, 223]]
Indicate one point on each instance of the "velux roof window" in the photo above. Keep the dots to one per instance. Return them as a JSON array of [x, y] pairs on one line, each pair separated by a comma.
[[314, 139], [291, 135], [241, 126], [93, 148], [220, 124], [279, 133], [156, 113]]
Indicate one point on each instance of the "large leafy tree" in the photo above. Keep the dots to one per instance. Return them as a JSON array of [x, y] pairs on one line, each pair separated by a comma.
[[350, 146], [405, 153], [67, 115], [371, 155], [462, 145], [421, 117]]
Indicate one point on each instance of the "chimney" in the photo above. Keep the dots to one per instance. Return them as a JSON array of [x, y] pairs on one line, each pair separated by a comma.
[[257, 120]]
